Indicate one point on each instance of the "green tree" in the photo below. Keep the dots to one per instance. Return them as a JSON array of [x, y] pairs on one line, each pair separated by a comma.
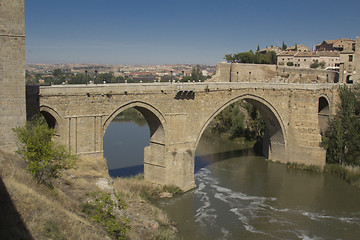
[[105, 77], [284, 47], [43, 157], [58, 72], [196, 74], [342, 140]]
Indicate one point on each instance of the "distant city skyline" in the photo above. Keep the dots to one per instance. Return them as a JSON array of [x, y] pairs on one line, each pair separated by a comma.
[[177, 32]]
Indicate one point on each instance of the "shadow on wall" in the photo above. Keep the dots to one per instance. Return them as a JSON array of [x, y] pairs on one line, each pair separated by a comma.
[[11, 224]]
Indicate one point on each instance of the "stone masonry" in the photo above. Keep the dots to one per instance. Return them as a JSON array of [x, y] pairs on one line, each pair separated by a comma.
[[178, 114], [12, 71]]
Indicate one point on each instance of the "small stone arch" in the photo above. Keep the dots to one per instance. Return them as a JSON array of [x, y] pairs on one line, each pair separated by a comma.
[[323, 113], [52, 118], [274, 146], [153, 116]]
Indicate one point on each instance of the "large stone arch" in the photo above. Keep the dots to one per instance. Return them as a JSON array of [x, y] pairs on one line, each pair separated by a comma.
[[154, 154], [274, 147], [152, 115]]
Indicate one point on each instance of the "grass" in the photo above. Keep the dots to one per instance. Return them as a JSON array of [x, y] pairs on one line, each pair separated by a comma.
[[38, 212], [306, 167], [105, 208], [348, 173]]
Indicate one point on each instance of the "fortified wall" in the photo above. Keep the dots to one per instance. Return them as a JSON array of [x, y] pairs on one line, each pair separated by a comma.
[[243, 72], [12, 71]]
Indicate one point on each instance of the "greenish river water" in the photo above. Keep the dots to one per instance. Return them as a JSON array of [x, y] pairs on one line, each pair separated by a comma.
[[242, 196]]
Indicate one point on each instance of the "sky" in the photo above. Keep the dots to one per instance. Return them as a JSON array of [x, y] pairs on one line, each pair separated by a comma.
[[135, 32]]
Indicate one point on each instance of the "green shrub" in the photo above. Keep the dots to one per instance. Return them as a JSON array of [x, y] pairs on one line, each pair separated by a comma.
[[44, 158], [101, 208]]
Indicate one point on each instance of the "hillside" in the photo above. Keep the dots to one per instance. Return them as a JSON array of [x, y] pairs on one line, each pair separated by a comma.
[[33, 211]]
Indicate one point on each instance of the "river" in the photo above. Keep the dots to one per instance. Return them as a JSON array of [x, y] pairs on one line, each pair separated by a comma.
[[242, 196]]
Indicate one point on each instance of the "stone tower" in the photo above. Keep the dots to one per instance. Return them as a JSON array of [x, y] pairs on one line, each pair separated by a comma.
[[12, 71]]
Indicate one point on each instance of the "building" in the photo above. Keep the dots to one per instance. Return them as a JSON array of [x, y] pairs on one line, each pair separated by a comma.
[[272, 48], [298, 48], [341, 44], [305, 59], [350, 64]]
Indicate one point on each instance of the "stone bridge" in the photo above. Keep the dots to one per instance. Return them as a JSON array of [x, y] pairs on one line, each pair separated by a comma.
[[178, 114]]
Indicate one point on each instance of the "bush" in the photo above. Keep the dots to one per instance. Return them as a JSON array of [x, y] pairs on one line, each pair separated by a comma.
[[102, 209], [44, 158]]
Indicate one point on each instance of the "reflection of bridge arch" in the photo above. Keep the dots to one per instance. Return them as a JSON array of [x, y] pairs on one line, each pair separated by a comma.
[[275, 136], [153, 116]]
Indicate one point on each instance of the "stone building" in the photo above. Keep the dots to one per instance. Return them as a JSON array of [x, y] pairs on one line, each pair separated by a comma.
[[305, 59], [350, 64], [341, 44], [12, 71]]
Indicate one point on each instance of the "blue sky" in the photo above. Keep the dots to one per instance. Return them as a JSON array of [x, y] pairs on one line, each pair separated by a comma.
[[170, 32]]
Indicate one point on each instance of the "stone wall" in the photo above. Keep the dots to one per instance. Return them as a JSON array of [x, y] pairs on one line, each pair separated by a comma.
[[307, 75], [357, 61], [261, 73], [12, 71], [242, 72]]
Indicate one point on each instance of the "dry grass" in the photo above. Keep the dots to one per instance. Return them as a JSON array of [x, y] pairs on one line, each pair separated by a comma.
[[38, 212]]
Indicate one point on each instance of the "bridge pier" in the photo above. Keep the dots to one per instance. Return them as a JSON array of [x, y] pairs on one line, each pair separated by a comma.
[[170, 167]]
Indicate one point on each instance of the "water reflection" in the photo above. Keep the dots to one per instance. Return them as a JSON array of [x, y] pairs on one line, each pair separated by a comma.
[[124, 144]]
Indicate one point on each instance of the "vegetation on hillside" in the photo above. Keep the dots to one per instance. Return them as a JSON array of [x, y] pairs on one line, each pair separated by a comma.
[[251, 57], [44, 158]]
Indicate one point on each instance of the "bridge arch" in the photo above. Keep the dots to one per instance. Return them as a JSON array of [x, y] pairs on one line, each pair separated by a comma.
[[274, 146], [155, 119], [52, 118], [323, 113]]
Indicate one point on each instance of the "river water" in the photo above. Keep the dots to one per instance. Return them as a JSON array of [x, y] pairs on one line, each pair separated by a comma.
[[242, 196]]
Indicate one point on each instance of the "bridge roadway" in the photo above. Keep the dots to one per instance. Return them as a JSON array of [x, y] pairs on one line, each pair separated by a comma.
[[178, 113]]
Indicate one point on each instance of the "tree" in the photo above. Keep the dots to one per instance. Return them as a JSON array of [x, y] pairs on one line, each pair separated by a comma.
[[196, 73], [258, 48], [342, 140], [58, 72], [284, 47], [43, 157]]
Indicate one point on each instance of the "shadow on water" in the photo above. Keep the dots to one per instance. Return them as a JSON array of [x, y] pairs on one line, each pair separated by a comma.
[[208, 159], [11, 224], [127, 171]]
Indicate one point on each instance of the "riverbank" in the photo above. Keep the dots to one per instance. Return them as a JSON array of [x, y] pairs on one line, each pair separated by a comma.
[[33, 211], [348, 173]]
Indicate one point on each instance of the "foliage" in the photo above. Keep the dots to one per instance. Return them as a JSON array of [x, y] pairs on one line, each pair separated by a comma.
[[316, 64], [290, 64], [44, 158], [196, 75], [232, 120], [104, 208], [250, 57], [283, 47], [342, 140], [351, 176]]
